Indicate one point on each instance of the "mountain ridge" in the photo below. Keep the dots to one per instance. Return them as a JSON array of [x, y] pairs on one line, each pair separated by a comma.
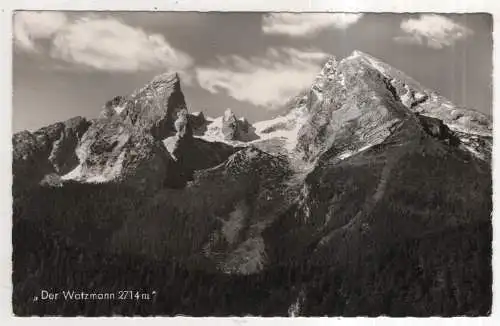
[[364, 161]]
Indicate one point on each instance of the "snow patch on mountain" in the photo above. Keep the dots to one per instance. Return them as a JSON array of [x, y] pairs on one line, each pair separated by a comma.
[[109, 172], [462, 127], [119, 109], [214, 130], [474, 151], [284, 127], [371, 60], [348, 154], [74, 174], [228, 129], [170, 144]]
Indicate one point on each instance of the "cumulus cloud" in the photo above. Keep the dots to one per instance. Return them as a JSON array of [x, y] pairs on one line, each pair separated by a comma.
[[269, 80], [434, 31], [30, 26], [108, 44], [305, 24], [101, 43]]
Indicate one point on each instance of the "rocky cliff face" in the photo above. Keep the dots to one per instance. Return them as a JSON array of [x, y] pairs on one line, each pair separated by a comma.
[[194, 153], [363, 90], [152, 108], [198, 123], [49, 150], [236, 129], [351, 109], [114, 151], [125, 143], [229, 129]]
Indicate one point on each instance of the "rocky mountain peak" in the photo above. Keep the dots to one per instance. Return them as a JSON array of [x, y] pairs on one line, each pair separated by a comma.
[[365, 93], [352, 104], [230, 125], [158, 84], [152, 108], [122, 144], [328, 68], [325, 76], [420, 99], [181, 124], [198, 123], [229, 115], [226, 128], [360, 54]]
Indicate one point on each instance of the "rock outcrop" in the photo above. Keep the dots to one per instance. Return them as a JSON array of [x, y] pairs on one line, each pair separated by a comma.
[[438, 129], [48, 150], [125, 143], [234, 128], [198, 123], [155, 106], [350, 110], [194, 153], [152, 108], [229, 128], [426, 102], [113, 150]]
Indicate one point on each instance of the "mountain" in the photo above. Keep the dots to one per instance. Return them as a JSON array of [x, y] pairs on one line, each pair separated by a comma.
[[228, 128], [46, 151], [125, 144], [371, 195], [363, 90]]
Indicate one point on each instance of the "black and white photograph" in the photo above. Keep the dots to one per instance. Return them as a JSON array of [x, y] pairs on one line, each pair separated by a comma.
[[265, 164]]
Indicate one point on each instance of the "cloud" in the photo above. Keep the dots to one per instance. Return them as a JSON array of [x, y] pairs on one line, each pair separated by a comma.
[[97, 42], [305, 24], [30, 26], [269, 80], [432, 30], [108, 44]]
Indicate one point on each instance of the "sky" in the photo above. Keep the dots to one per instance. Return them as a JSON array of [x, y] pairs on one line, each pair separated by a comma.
[[68, 64]]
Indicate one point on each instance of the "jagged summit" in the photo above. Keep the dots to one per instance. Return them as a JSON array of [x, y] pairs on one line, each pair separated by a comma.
[[364, 91], [158, 84], [125, 143], [228, 128], [326, 75], [359, 53], [353, 104], [228, 113], [425, 101], [166, 76]]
